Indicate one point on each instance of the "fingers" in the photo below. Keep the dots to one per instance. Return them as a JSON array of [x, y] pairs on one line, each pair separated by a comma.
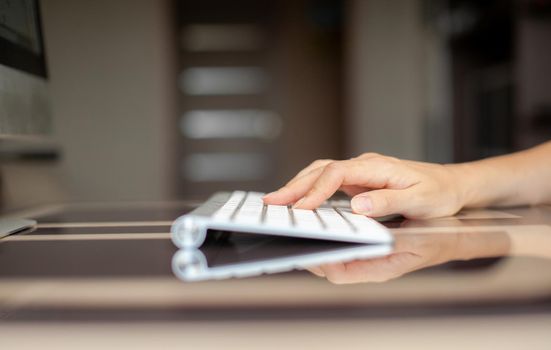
[[371, 173], [316, 271], [372, 270], [352, 190], [335, 272], [323, 187], [318, 182], [292, 192], [383, 202], [320, 163], [356, 271]]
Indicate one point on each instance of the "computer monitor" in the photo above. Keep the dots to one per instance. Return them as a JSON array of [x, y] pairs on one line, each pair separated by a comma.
[[25, 117], [24, 102]]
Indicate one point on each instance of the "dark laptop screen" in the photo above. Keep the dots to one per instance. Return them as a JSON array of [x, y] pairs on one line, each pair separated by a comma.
[[21, 45]]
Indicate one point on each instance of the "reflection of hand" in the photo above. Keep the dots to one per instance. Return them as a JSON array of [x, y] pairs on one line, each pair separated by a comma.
[[417, 251], [380, 186]]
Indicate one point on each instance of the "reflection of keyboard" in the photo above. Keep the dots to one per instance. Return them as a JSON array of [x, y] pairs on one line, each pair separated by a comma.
[[245, 212]]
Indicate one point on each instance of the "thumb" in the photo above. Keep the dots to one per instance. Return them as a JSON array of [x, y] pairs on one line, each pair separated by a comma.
[[380, 202]]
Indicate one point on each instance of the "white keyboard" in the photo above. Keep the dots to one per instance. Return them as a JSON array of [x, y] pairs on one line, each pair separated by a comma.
[[241, 211]]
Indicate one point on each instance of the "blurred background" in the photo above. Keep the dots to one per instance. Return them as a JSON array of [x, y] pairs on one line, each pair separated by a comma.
[[169, 99]]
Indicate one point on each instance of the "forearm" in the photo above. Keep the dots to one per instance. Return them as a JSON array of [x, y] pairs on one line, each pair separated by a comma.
[[521, 178]]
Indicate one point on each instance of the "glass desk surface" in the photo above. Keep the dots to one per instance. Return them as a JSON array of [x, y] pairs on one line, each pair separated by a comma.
[[113, 262]]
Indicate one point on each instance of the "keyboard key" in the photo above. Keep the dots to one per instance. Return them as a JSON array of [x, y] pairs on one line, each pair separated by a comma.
[[278, 216], [227, 210], [361, 222], [307, 220], [339, 203], [251, 210], [246, 212], [333, 220]]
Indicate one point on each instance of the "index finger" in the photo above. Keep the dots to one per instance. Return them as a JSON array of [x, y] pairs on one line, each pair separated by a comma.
[[367, 173], [320, 163], [293, 191]]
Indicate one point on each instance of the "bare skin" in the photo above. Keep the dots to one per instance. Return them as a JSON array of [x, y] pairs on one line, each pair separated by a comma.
[[414, 252], [381, 185]]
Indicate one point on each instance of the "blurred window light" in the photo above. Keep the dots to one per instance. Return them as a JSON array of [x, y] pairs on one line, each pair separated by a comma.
[[223, 81], [221, 37], [227, 123], [224, 166]]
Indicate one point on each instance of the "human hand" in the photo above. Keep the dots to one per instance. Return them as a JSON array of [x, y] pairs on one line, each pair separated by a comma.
[[417, 251], [379, 186]]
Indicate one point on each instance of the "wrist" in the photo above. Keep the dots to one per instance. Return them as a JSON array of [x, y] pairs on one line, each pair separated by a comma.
[[463, 177]]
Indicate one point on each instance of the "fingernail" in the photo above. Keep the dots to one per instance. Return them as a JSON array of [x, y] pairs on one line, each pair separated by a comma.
[[297, 204], [268, 194], [361, 204]]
